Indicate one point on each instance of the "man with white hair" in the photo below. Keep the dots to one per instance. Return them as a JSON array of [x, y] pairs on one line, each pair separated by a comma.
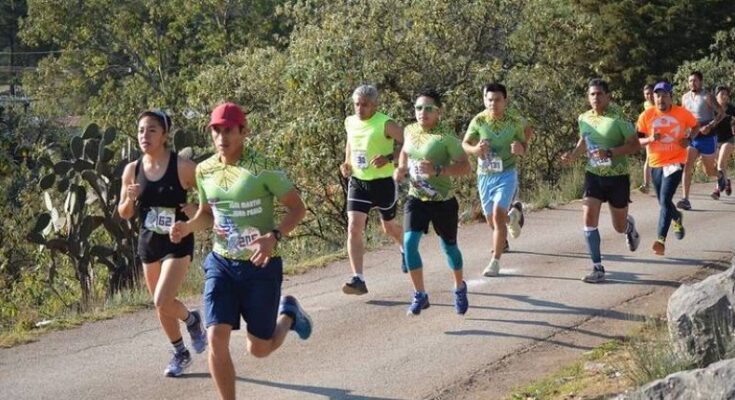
[[369, 154]]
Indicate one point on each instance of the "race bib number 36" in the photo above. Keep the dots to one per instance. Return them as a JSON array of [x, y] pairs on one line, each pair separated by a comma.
[[359, 159], [160, 220]]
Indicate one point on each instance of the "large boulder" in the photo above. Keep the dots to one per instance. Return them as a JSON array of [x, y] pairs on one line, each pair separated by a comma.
[[716, 382], [701, 318]]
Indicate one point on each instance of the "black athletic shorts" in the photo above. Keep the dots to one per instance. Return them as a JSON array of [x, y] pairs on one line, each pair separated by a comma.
[[154, 247], [381, 193], [612, 189], [443, 215]]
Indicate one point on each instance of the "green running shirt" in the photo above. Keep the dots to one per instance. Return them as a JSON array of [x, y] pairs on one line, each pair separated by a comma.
[[607, 131], [367, 140], [440, 146], [501, 133], [241, 197]]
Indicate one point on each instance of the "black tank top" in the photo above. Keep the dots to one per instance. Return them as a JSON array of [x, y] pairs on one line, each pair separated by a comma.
[[165, 192]]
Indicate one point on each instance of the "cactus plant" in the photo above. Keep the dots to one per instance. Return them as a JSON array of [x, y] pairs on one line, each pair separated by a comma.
[[90, 182]]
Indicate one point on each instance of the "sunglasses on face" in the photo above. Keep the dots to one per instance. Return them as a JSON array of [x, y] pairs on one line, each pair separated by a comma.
[[427, 108]]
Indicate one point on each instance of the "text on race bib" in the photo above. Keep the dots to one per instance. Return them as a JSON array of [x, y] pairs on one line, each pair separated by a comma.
[[414, 171], [160, 219], [359, 159], [600, 162], [491, 163]]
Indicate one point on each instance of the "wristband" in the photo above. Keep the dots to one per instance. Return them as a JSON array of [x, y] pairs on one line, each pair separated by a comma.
[[609, 153], [438, 169]]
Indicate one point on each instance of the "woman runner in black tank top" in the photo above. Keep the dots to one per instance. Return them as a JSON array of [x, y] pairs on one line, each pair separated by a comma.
[[159, 205], [156, 185]]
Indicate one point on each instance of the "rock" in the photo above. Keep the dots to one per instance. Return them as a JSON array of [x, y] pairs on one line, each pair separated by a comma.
[[701, 319], [716, 382]]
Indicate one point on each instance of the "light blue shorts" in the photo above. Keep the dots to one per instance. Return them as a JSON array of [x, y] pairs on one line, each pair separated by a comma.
[[497, 190]]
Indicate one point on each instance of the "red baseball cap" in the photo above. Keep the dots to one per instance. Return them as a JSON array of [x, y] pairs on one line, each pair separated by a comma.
[[227, 115]]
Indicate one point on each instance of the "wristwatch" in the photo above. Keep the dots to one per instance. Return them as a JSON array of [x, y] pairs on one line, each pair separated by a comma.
[[277, 234], [609, 153]]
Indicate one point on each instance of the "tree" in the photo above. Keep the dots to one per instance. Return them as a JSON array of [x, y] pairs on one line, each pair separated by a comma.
[[118, 58], [636, 42]]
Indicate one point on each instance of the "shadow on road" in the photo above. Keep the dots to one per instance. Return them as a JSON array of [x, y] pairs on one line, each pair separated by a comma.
[[330, 393], [549, 325], [617, 258], [553, 307], [480, 332]]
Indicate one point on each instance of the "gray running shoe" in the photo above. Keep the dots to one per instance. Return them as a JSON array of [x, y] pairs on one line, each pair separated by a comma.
[[633, 238], [596, 276], [179, 362], [684, 204], [198, 334]]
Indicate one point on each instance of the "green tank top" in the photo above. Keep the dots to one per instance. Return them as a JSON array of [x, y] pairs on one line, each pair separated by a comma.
[[367, 139]]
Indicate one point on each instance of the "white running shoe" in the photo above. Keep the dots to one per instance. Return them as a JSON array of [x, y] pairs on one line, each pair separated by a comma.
[[514, 223], [492, 269]]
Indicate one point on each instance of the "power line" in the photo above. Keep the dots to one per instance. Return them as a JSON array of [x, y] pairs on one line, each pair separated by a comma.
[[38, 52]]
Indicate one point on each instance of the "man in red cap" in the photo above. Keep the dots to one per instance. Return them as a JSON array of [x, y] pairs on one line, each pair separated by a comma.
[[244, 271]]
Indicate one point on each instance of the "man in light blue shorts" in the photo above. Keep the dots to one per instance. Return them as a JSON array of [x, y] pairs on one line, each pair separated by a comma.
[[704, 142], [497, 138]]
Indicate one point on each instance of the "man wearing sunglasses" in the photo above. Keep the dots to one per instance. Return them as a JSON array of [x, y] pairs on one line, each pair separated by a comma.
[[369, 154], [497, 138]]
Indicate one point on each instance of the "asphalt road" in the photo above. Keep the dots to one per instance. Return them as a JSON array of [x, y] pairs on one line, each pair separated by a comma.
[[366, 347]]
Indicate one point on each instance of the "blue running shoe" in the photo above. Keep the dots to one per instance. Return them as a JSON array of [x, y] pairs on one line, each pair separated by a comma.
[[460, 299], [404, 266], [179, 362], [301, 321], [420, 302], [197, 333]]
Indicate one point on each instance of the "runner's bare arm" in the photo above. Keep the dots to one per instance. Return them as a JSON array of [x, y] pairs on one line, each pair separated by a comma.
[[267, 243], [570, 156], [394, 131], [475, 147], [631, 146], [345, 168], [400, 173], [129, 192], [521, 148], [718, 110], [202, 220], [458, 167], [187, 172]]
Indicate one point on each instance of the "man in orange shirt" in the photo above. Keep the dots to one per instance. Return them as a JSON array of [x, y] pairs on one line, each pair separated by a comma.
[[665, 129]]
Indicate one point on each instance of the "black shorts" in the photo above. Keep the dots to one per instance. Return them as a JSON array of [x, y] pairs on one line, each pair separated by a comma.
[[612, 189], [381, 193], [443, 215], [154, 247]]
